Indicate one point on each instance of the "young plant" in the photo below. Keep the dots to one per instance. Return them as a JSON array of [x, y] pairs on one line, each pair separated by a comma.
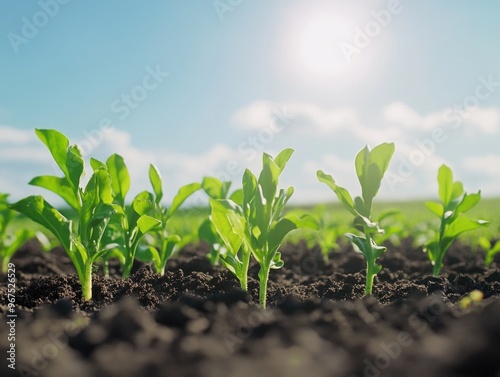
[[93, 205], [490, 250], [256, 227], [10, 242], [163, 243], [451, 212], [370, 169], [129, 224], [216, 189]]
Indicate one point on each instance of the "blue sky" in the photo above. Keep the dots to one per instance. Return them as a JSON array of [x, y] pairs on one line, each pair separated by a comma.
[[203, 87]]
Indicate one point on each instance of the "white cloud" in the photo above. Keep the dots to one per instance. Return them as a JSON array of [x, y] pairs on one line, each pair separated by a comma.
[[402, 114], [486, 120], [10, 134], [488, 165]]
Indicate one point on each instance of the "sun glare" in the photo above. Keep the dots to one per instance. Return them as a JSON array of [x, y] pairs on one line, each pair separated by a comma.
[[313, 43]]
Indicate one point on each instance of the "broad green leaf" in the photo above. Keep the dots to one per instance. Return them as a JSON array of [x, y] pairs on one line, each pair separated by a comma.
[[436, 208], [249, 182], [445, 182], [457, 189], [237, 197], [68, 158], [304, 221], [207, 232], [381, 156], [156, 182], [361, 163], [342, 194], [462, 224], [59, 186], [96, 164], [183, 193], [213, 187], [147, 223], [57, 145], [278, 233], [75, 165], [41, 212], [359, 205], [283, 157], [229, 223], [143, 203], [120, 177], [268, 179], [146, 254], [468, 201]]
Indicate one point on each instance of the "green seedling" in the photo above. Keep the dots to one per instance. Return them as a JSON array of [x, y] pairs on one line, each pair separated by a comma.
[[256, 227], [490, 250], [162, 243], [216, 189], [10, 242], [370, 169], [130, 223], [394, 229], [451, 212], [92, 204]]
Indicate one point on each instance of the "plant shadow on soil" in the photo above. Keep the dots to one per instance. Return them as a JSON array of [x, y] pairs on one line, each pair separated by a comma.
[[194, 321]]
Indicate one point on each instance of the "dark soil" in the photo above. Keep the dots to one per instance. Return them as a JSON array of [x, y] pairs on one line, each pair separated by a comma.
[[194, 321]]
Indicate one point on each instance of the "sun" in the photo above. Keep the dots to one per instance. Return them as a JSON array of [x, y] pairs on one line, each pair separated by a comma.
[[313, 38], [316, 50]]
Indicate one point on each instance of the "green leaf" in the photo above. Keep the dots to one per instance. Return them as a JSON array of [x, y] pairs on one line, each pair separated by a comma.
[[462, 224], [143, 203], [491, 252], [237, 197], [147, 223], [283, 157], [381, 156], [96, 164], [156, 182], [213, 187], [342, 194], [468, 201], [278, 233], [120, 177], [436, 208], [229, 223], [183, 193], [445, 183], [371, 251], [41, 212], [68, 158], [207, 232], [59, 186], [57, 145], [457, 189], [249, 182], [370, 168]]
